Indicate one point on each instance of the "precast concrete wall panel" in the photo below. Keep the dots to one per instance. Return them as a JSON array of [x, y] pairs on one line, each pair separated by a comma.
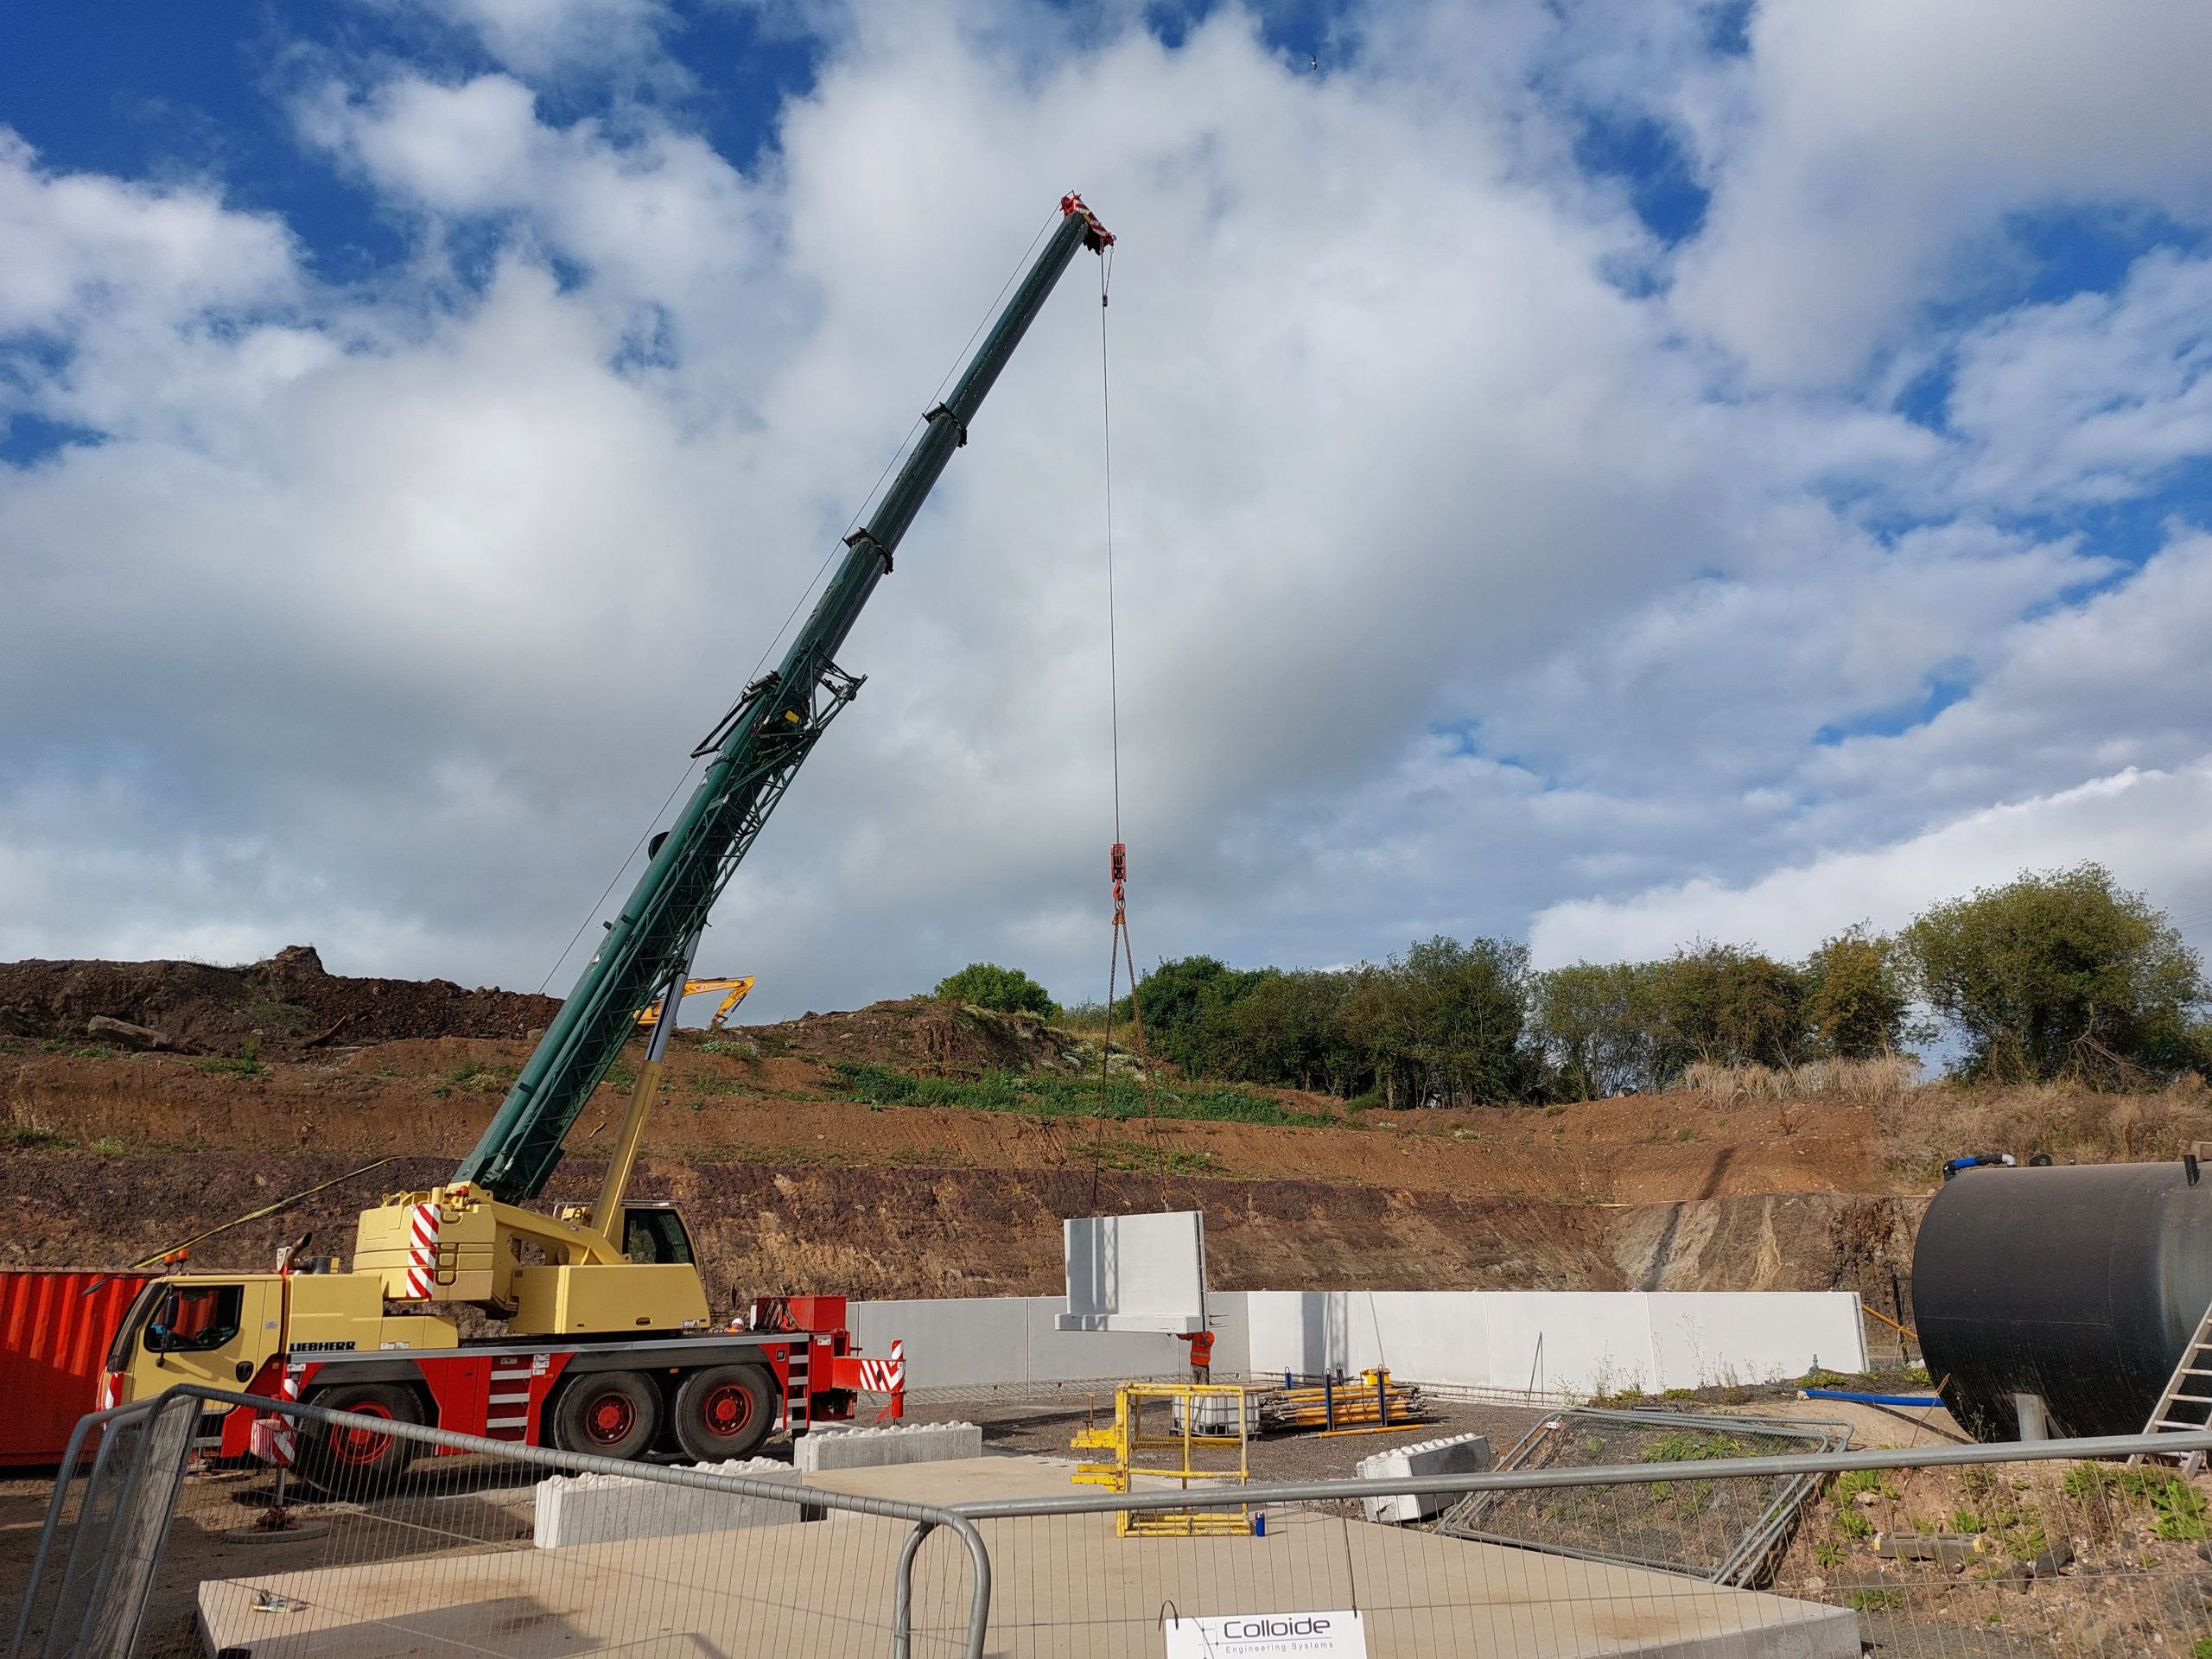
[[1575, 1342], [1058, 1355], [1228, 1317], [1580, 1341], [1432, 1335], [1417, 1334], [1702, 1338], [1144, 1273], [958, 1342]]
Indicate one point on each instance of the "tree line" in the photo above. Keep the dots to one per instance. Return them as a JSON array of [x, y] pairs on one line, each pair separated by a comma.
[[2058, 974]]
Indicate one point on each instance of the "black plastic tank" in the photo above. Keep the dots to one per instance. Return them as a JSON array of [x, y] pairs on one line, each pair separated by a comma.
[[2080, 1284]]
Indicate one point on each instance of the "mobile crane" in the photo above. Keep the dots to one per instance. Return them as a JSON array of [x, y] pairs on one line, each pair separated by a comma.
[[603, 1342]]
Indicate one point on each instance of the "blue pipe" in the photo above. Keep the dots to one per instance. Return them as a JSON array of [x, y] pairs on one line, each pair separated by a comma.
[[1870, 1399]]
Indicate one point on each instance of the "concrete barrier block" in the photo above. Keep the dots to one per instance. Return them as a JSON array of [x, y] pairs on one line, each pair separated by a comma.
[[868, 1448], [609, 1508], [1455, 1454]]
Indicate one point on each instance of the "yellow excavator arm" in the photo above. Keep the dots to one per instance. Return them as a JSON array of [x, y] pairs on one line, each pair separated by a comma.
[[737, 990]]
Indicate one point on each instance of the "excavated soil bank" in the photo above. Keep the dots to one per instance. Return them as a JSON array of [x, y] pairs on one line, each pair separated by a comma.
[[884, 1232], [288, 1002], [806, 1166]]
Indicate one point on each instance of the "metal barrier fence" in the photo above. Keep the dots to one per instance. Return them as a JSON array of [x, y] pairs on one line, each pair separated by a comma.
[[112, 1517], [1956, 1552], [1994, 1550], [449, 1556]]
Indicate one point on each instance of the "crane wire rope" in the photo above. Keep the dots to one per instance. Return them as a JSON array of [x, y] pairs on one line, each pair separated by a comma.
[[868, 501], [1118, 947]]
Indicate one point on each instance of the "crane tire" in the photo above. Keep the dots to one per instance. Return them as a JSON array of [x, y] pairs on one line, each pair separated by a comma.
[[350, 1462], [607, 1413], [725, 1411]]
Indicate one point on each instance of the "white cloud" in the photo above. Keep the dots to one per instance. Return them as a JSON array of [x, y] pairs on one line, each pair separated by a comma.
[[1869, 155], [552, 38], [1457, 580], [82, 248], [2091, 398], [2152, 830]]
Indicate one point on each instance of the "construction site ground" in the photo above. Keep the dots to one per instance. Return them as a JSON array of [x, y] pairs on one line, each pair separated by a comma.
[[2136, 1573]]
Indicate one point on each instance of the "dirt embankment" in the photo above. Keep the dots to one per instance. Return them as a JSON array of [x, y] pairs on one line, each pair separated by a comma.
[[800, 1175], [286, 1002], [892, 1232], [755, 1097]]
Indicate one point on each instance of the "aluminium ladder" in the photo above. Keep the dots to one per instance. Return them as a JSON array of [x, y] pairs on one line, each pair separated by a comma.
[[2186, 1406]]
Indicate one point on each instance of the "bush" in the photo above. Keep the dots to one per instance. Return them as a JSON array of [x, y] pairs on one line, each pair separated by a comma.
[[2060, 975], [1858, 996], [1002, 990]]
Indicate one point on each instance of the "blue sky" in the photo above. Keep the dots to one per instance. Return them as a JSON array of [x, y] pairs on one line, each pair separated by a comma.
[[1605, 475]]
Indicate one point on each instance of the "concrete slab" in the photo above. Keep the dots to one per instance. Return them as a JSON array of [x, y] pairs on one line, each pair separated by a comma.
[[956, 1480], [1065, 1586]]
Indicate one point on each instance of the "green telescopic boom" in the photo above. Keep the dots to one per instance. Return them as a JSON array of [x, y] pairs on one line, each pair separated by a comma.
[[752, 758]]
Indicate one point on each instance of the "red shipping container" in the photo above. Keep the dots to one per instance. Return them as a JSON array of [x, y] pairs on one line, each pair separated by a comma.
[[54, 1330]]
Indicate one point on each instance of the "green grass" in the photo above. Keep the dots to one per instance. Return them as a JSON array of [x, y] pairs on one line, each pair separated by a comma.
[[2179, 1507], [704, 1086], [17, 1137], [1062, 1096], [1871, 1601], [1133, 1157], [1684, 1445], [1853, 1482], [245, 1064]]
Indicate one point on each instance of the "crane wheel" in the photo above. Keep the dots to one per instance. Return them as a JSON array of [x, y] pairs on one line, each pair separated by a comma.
[[725, 1411], [608, 1414], [347, 1461]]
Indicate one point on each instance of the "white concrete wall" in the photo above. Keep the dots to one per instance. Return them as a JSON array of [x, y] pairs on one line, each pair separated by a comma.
[[1579, 1342], [1582, 1342], [977, 1341]]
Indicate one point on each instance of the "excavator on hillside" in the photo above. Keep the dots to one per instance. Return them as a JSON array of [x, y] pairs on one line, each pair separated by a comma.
[[734, 991], [601, 1338]]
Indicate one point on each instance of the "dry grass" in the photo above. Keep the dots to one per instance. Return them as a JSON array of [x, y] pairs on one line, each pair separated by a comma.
[[2073, 1124], [1862, 1082]]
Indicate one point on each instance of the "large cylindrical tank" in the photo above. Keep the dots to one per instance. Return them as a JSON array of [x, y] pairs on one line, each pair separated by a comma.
[[2080, 1283]]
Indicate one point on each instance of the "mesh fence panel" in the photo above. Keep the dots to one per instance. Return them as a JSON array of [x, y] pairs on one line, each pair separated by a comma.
[[1727, 1531], [104, 1544], [2044, 1556], [465, 1547], [2058, 1563], [33, 1604]]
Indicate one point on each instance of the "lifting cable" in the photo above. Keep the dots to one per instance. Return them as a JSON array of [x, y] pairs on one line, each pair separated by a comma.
[[1118, 950]]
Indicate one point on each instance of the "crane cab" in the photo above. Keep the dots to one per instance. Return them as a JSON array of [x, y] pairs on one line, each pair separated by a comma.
[[653, 1233], [216, 1332]]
